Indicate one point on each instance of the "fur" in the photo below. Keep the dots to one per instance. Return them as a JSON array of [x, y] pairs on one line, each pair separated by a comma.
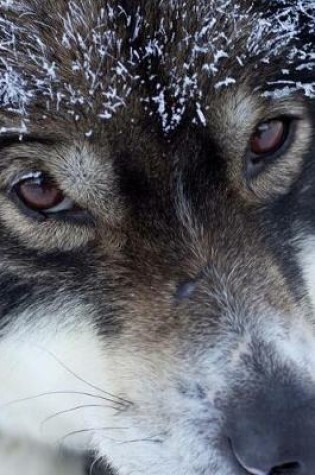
[[142, 331]]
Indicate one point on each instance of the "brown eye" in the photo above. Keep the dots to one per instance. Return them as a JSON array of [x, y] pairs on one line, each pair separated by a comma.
[[38, 192], [268, 137]]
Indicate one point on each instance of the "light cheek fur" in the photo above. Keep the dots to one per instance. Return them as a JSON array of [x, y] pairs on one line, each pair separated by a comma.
[[39, 365]]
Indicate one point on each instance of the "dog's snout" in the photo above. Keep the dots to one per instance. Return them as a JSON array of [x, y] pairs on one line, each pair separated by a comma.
[[273, 433]]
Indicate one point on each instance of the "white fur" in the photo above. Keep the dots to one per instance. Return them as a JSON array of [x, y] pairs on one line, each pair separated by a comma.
[[32, 362], [23, 457]]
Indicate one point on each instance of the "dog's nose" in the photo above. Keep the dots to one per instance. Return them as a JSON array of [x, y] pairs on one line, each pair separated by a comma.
[[274, 433], [269, 464]]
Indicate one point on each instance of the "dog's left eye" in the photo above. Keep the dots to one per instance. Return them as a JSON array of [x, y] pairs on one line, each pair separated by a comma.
[[269, 137], [268, 141], [38, 193]]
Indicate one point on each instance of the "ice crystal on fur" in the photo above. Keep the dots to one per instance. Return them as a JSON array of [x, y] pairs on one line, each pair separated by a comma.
[[93, 55], [68, 62]]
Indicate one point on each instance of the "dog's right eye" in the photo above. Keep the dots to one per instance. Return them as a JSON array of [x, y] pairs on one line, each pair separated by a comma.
[[39, 194]]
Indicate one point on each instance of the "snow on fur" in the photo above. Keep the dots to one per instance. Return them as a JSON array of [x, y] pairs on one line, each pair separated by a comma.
[[84, 56]]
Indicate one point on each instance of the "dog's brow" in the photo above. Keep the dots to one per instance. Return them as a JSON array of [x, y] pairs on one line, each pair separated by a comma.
[[14, 139]]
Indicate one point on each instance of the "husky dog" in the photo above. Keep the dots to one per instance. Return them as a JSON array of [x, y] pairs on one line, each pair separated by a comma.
[[157, 240]]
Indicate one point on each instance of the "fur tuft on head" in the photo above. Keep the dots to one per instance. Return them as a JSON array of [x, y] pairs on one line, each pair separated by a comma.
[[79, 55]]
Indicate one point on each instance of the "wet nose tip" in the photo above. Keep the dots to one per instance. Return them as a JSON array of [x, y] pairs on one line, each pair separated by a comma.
[[274, 451], [272, 429], [259, 465]]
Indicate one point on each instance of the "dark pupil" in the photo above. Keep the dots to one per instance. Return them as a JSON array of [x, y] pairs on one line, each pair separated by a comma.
[[268, 137], [40, 195]]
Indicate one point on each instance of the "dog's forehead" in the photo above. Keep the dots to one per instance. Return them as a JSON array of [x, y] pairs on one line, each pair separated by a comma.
[[86, 61]]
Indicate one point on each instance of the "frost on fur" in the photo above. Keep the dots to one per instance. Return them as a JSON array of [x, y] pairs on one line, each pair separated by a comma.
[[87, 57]]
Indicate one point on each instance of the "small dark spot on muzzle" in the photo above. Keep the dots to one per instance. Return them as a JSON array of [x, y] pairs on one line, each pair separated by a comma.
[[185, 290]]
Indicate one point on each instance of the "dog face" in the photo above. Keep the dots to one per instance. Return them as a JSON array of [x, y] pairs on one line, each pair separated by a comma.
[[157, 232]]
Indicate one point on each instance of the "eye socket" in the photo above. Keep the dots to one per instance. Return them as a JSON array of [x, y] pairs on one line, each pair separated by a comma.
[[38, 193]]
